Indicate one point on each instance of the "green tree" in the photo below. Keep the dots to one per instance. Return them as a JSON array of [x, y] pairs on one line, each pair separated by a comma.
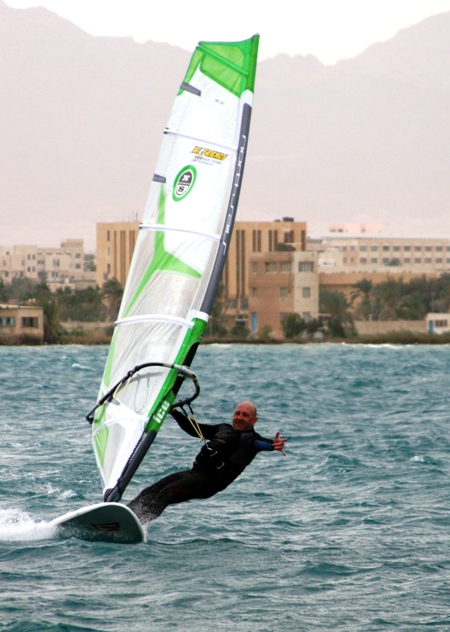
[[21, 289], [293, 325], [339, 320], [216, 324], [4, 292], [112, 291], [363, 290], [52, 307], [82, 304]]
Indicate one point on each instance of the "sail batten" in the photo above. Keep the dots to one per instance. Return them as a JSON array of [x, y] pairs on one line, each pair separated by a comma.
[[178, 258], [187, 231], [201, 141], [154, 317]]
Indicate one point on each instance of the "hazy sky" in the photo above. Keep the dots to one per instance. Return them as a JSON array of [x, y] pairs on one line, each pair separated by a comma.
[[328, 29]]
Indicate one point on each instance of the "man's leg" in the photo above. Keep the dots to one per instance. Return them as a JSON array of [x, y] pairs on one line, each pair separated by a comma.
[[170, 490]]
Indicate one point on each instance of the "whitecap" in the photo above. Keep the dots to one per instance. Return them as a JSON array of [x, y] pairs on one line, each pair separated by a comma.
[[76, 365]]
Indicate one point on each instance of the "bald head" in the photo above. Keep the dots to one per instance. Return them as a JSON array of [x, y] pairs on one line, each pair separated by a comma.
[[244, 416]]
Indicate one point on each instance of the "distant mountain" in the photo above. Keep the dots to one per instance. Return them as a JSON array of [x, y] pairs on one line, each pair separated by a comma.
[[81, 120]]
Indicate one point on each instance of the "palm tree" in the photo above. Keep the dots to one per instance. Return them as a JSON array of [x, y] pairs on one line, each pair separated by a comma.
[[112, 291], [363, 289], [336, 306]]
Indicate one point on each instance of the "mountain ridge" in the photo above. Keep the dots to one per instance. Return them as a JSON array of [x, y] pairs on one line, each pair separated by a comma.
[[81, 118]]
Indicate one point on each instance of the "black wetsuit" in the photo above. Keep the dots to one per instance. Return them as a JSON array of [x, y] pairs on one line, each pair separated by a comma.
[[225, 455]]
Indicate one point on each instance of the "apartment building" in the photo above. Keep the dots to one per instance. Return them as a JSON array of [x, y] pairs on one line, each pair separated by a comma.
[[249, 238], [116, 241], [344, 260], [61, 266], [281, 283], [115, 247], [374, 254]]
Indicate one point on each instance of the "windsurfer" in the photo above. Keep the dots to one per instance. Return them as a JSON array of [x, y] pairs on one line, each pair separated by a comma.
[[227, 451]]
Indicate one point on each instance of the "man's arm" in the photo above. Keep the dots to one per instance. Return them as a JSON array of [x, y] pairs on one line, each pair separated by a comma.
[[261, 443], [207, 431]]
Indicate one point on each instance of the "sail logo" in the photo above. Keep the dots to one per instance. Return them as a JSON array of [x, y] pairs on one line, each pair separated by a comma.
[[161, 412], [184, 182], [209, 153]]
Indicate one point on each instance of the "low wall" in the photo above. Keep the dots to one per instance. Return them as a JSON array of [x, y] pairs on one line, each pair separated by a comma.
[[367, 327]]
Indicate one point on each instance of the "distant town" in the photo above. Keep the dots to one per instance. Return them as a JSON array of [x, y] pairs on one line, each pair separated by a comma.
[[277, 284]]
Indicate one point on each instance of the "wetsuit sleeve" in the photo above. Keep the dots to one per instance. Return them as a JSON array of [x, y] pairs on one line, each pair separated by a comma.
[[184, 423], [261, 443]]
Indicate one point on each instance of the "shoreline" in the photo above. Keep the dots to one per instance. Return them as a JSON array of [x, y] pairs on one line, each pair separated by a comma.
[[403, 337]]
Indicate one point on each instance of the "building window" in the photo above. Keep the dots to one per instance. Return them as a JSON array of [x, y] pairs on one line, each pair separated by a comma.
[[306, 292], [363, 260], [417, 249], [7, 321], [363, 248], [271, 266], [306, 266], [438, 248], [373, 248], [396, 248], [230, 304], [417, 260], [78, 255], [439, 260], [77, 266], [386, 261], [283, 293], [30, 321], [440, 323], [427, 259], [407, 260], [406, 248], [374, 260], [254, 267], [254, 292], [285, 266], [108, 236], [386, 248], [256, 240], [428, 248]]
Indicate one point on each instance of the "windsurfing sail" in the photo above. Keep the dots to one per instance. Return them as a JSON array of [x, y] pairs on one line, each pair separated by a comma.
[[178, 259]]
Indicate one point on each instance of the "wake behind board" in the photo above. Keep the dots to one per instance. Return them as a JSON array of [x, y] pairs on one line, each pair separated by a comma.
[[106, 522]]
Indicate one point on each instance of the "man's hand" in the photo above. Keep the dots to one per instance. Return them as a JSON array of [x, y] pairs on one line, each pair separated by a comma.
[[278, 443]]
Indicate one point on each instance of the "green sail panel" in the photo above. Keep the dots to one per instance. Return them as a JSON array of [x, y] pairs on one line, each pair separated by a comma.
[[179, 254]]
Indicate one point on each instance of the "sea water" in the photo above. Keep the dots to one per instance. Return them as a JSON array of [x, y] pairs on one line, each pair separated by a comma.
[[349, 531]]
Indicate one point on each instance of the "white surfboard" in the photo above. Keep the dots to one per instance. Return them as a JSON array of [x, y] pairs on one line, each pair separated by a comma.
[[107, 522]]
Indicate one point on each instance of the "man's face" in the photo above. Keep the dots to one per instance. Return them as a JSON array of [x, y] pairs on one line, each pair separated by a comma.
[[244, 417]]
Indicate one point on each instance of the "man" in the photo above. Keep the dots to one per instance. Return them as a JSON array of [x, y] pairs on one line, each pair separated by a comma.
[[228, 449]]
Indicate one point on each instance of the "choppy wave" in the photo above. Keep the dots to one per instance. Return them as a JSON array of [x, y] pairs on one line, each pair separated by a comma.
[[349, 531]]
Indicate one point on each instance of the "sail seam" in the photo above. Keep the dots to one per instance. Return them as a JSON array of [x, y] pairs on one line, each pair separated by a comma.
[[178, 230]]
